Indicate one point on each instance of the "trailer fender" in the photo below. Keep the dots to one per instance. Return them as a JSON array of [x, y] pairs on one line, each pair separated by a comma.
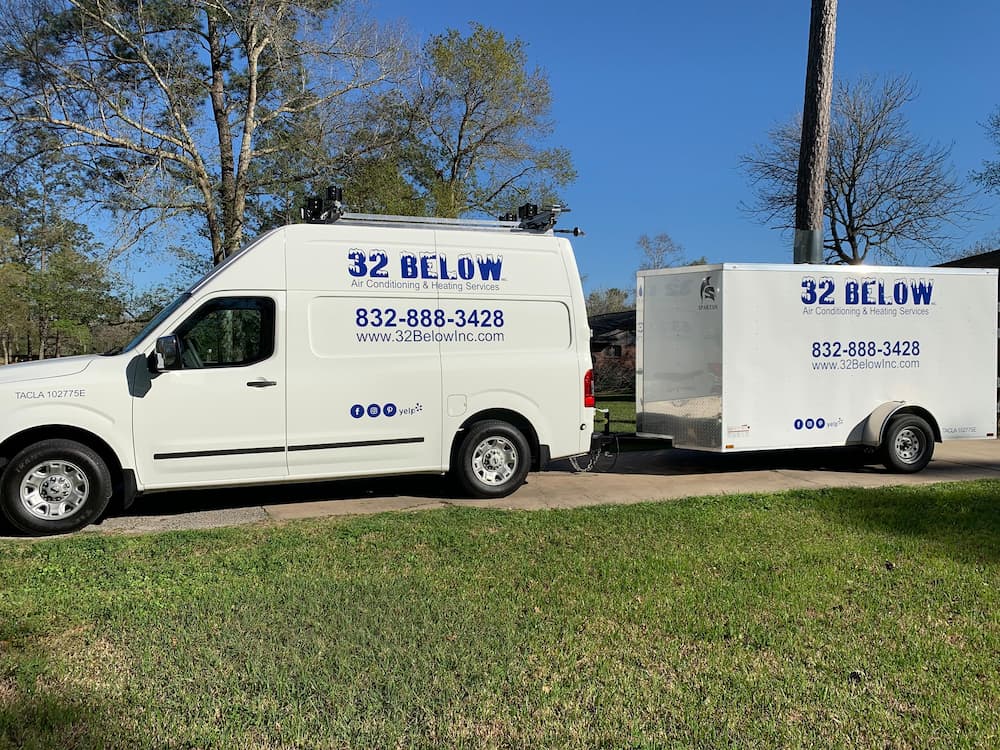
[[874, 426]]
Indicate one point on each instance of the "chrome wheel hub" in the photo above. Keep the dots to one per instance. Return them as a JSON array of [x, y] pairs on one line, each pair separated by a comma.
[[495, 460], [909, 445], [53, 490]]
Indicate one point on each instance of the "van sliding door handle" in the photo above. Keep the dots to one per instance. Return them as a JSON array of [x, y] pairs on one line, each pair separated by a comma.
[[261, 383]]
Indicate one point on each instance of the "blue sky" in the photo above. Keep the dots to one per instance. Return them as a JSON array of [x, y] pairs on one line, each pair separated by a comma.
[[656, 101]]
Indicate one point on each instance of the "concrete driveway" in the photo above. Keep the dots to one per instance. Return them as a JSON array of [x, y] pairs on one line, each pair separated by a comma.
[[635, 477]]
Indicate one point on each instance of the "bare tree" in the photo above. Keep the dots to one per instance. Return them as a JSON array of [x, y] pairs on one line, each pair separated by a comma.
[[887, 193], [662, 252], [989, 178], [192, 107], [988, 244], [659, 252]]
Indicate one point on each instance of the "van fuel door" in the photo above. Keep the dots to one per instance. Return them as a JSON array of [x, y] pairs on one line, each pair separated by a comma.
[[457, 405]]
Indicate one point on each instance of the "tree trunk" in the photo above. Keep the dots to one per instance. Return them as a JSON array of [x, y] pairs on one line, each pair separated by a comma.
[[43, 332], [814, 146]]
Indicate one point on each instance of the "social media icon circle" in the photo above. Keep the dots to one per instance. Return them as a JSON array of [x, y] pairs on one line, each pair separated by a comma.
[[357, 411]]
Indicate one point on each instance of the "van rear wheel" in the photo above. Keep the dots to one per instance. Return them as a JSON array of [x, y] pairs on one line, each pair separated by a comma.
[[55, 486], [908, 444], [493, 459]]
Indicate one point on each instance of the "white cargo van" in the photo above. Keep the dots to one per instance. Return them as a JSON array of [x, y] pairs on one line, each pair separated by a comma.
[[367, 346], [740, 357]]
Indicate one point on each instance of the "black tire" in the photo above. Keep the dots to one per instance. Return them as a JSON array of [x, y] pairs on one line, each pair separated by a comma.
[[493, 459], [54, 487], [908, 444]]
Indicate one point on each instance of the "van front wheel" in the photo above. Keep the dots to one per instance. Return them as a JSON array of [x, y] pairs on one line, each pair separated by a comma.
[[55, 486], [493, 460]]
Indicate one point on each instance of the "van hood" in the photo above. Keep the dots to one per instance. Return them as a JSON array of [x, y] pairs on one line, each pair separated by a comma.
[[46, 368]]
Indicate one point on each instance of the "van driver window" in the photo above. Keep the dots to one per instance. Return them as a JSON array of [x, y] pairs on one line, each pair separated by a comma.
[[228, 332]]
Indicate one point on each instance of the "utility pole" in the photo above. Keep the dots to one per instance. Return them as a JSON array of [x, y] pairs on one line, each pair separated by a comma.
[[815, 144]]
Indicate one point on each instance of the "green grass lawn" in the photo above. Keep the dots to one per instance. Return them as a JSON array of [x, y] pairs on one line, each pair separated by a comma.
[[622, 414], [834, 618]]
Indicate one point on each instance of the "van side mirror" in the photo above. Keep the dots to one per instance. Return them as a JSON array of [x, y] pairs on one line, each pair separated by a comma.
[[168, 353]]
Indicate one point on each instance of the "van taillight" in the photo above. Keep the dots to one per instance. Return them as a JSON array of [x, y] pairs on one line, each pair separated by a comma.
[[588, 390]]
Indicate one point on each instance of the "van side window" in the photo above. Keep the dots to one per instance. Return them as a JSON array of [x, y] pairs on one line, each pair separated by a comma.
[[228, 332]]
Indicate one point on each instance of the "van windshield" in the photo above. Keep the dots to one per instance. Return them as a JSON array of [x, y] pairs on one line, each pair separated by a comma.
[[160, 317]]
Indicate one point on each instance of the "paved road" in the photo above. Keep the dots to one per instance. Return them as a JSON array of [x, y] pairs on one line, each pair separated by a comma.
[[636, 477]]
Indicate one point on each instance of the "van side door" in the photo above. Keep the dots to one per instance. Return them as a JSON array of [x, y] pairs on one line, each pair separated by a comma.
[[364, 378]]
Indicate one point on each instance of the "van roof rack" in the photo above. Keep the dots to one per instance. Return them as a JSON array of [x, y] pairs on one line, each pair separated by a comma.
[[527, 219]]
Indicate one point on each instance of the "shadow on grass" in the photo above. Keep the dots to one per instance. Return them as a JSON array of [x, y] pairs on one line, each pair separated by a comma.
[[45, 722], [40, 711], [963, 520]]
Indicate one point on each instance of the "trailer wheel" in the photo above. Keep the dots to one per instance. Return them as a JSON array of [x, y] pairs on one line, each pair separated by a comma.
[[55, 486], [908, 444], [493, 459]]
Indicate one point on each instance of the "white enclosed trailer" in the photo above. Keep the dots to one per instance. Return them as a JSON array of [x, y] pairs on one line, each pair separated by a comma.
[[738, 357]]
